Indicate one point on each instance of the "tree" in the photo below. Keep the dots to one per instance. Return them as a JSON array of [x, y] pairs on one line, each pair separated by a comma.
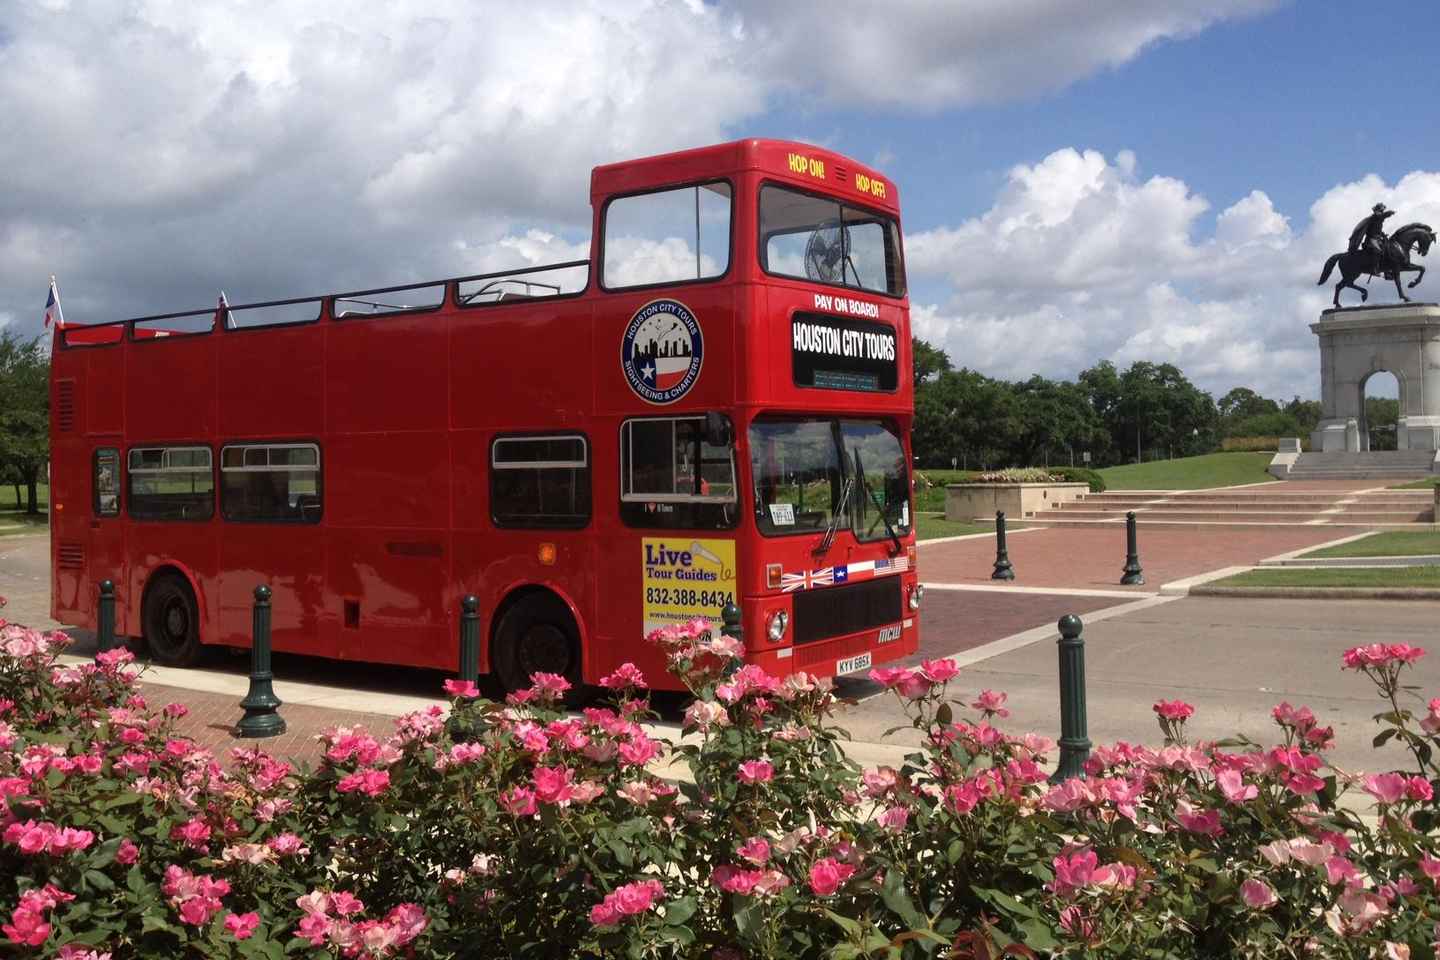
[[929, 362], [1307, 414], [1243, 403], [24, 412]]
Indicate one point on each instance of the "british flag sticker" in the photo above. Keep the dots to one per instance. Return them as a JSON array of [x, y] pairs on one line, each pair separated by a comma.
[[662, 351]]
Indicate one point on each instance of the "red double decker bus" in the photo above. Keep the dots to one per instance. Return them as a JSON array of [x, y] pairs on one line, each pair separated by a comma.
[[714, 406]]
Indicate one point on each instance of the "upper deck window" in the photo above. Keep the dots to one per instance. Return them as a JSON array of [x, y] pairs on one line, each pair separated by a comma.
[[811, 237], [670, 236]]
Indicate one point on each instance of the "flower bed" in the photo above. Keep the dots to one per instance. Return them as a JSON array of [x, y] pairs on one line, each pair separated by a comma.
[[516, 829]]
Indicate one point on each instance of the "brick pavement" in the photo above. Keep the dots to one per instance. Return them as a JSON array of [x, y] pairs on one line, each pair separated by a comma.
[[1093, 557], [212, 718]]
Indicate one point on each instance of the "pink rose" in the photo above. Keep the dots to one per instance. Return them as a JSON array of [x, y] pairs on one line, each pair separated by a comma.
[[1386, 788], [756, 771], [756, 850], [127, 853], [1257, 894], [1173, 710], [991, 703], [1234, 788], [464, 689], [626, 675], [939, 671], [242, 925], [826, 876]]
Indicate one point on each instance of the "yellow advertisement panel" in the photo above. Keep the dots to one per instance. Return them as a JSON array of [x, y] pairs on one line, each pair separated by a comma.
[[686, 578]]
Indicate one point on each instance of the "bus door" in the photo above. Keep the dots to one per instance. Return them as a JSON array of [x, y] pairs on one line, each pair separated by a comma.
[[78, 574]]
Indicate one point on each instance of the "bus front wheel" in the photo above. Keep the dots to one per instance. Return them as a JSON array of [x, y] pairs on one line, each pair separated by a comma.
[[536, 635], [171, 622]]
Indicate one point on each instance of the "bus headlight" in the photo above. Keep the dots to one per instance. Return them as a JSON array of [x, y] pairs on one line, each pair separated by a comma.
[[775, 628], [917, 593]]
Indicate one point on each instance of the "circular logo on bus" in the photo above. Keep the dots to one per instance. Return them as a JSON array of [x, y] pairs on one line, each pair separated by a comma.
[[662, 351]]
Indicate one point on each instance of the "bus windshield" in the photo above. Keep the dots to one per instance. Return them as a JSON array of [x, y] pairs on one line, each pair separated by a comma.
[[819, 238], [800, 468]]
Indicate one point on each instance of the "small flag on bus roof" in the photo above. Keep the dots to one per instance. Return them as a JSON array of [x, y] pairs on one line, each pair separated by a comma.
[[222, 313], [52, 308]]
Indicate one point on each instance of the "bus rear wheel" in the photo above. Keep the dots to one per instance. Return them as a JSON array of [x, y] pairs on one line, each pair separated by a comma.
[[536, 635], [171, 622]]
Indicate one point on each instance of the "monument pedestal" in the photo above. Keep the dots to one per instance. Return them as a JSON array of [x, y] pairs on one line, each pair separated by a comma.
[[1358, 342]]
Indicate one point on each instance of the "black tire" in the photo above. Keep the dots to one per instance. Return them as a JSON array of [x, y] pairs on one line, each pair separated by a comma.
[[536, 633], [171, 622]]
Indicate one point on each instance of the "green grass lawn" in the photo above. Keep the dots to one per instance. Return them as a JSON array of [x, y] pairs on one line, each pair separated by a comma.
[[1396, 543], [7, 496], [1337, 577], [929, 526], [1190, 473], [1426, 484]]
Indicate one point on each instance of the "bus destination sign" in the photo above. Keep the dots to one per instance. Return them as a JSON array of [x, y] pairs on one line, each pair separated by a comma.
[[836, 354]]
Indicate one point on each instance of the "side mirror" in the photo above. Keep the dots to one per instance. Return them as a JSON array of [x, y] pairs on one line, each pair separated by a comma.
[[718, 432]]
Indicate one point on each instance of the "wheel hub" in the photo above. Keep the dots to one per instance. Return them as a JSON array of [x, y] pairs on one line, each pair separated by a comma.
[[545, 649]]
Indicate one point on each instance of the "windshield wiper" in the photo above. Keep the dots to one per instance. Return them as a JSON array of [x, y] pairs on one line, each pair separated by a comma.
[[879, 507], [834, 526]]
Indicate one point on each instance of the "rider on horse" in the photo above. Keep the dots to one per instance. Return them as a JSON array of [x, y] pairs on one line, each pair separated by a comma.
[[1370, 233]]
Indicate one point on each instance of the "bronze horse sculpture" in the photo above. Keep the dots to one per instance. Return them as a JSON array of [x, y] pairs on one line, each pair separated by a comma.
[[1394, 261]]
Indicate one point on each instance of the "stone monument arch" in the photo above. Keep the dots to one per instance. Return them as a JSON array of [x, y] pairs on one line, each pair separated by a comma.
[[1358, 342]]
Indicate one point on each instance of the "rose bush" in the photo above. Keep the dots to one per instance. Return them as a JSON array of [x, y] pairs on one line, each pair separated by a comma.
[[519, 829]]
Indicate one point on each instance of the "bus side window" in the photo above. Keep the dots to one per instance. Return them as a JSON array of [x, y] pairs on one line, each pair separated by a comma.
[[106, 496], [270, 482], [540, 481], [671, 478], [170, 483]]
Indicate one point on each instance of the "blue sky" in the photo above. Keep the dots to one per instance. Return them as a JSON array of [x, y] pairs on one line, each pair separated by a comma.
[[1121, 180]]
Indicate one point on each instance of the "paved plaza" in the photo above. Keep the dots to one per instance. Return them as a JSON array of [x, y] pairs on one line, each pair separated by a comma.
[[1233, 659]]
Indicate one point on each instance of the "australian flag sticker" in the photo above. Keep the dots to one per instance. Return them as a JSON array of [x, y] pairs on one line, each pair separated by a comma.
[[662, 351]]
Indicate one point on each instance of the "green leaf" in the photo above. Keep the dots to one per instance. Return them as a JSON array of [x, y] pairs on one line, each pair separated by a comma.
[[1383, 737], [1003, 901], [1038, 935], [944, 716], [678, 911], [747, 917], [98, 881], [844, 923], [894, 896]]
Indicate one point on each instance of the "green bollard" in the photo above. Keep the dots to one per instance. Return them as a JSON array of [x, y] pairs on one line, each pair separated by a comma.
[[470, 638], [1074, 735], [730, 627], [105, 627], [1003, 570], [1133, 575], [262, 718]]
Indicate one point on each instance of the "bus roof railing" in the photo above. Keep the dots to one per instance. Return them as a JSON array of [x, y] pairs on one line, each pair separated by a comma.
[[450, 282]]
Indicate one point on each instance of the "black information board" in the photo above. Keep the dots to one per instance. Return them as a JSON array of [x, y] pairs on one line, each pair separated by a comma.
[[837, 354]]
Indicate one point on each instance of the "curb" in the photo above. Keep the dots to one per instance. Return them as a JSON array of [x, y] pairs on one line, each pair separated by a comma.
[[1319, 593]]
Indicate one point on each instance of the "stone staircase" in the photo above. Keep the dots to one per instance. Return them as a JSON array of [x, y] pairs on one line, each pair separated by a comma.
[[1375, 464], [1390, 509]]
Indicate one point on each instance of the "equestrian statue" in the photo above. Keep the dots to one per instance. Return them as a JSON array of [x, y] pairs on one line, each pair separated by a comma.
[[1372, 252]]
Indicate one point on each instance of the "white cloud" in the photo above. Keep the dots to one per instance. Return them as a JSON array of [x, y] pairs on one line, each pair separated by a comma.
[[943, 54], [1078, 261]]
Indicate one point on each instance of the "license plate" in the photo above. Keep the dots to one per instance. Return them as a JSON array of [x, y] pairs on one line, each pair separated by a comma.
[[852, 664]]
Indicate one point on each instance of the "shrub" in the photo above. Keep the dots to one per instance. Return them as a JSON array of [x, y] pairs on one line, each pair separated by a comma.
[[514, 829], [1081, 475]]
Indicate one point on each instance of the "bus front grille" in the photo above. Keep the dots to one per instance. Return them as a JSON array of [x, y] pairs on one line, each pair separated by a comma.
[[835, 611]]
